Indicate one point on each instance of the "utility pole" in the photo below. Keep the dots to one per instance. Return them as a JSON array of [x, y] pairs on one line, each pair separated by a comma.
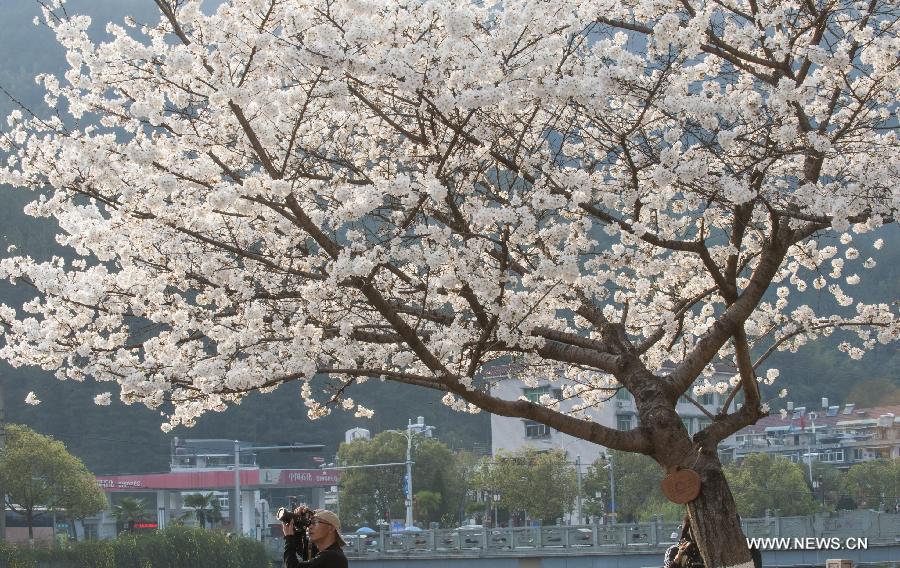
[[337, 494], [236, 506], [813, 442], [409, 486], [578, 490], [612, 488]]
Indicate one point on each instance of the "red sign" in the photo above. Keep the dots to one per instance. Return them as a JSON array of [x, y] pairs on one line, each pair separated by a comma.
[[145, 525], [223, 479]]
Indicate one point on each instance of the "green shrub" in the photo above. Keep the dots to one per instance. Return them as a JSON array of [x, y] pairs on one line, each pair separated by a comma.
[[174, 547], [14, 557]]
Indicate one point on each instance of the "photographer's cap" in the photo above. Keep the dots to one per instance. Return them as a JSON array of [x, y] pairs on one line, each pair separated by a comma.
[[329, 517]]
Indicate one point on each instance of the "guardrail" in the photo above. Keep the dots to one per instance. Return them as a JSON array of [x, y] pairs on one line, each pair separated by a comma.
[[878, 528], [510, 540]]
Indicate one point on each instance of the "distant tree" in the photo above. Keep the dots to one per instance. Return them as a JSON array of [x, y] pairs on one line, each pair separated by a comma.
[[37, 471], [762, 481], [466, 467], [82, 498], [129, 511], [427, 503], [206, 508], [830, 483], [539, 484], [874, 484], [368, 495], [638, 493]]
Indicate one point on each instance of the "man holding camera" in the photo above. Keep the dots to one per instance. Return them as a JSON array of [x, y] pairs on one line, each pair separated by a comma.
[[324, 533]]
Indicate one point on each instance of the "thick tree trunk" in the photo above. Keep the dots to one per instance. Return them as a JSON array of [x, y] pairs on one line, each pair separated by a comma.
[[714, 520], [713, 514]]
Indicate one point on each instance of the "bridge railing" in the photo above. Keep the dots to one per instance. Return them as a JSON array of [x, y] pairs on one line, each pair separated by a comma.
[[464, 540], [878, 528]]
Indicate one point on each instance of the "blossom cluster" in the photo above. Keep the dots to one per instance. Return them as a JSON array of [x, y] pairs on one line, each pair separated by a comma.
[[414, 190]]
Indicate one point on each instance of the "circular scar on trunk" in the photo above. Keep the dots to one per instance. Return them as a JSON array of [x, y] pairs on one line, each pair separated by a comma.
[[681, 486]]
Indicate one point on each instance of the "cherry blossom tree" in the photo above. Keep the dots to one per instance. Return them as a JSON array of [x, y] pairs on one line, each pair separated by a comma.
[[600, 191]]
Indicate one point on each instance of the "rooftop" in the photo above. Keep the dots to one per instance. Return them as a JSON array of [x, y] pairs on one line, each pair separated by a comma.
[[800, 418]]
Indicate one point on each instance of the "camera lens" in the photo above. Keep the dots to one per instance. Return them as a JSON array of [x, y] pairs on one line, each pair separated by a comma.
[[284, 515]]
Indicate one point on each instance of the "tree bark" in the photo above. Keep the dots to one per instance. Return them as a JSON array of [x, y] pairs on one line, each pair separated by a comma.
[[714, 519], [713, 514]]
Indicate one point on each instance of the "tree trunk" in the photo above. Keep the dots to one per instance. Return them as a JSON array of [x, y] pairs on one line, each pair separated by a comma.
[[29, 520], [713, 515], [714, 519]]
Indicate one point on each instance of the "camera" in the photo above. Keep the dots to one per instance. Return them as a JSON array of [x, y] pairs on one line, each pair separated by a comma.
[[300, 519]]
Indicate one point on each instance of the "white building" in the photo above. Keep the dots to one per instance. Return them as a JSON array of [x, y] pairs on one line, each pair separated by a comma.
[[357, 434], [514, 434]]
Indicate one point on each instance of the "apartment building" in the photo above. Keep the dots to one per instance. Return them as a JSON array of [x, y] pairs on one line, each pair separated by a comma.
[[841, 436]]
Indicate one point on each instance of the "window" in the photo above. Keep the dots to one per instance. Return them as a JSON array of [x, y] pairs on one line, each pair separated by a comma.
[[857, 454], [536, 429], [833, 456], [623, 394], [708, 398], [703, 423], [534, 394], [623, 421], [688, 425]]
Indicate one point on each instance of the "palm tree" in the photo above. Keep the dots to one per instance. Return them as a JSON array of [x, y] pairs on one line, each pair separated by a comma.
[[215, 515], [129, 511], [206, 507]]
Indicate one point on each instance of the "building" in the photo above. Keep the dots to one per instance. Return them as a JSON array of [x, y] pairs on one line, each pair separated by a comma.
[[830, 434], [514, 434], [208, 466], [213, 455], [357, 434]]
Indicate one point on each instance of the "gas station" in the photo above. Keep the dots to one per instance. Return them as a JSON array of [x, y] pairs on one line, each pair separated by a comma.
[[227, 469]]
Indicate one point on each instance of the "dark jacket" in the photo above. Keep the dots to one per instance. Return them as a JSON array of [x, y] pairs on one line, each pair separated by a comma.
[[331, 557], [694, 560], [697, 561]]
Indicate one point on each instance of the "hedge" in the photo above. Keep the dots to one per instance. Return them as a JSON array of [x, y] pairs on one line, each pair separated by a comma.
[[173, 547]]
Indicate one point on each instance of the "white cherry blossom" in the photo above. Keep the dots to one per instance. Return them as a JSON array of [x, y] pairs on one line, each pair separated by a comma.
[[612, 193]]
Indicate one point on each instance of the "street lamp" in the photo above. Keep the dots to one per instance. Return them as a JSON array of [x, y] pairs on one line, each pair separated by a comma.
[[809, 458], [408, 488], [423, 429]]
